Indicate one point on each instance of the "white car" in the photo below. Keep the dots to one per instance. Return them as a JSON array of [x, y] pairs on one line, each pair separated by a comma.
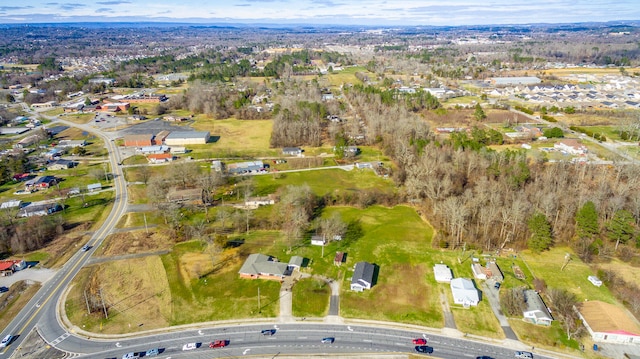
[[190, 346], [130, 356], [6, 341]]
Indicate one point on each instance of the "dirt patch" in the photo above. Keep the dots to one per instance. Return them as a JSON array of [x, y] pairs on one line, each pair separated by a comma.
[[136, 242]]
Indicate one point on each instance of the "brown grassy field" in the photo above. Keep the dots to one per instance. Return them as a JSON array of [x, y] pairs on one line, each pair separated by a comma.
[[136, 242]]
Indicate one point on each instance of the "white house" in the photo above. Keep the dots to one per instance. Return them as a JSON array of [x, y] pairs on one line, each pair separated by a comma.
[[464, 292], [536, 311], [318, 240], [571, 146], [608, 323], [478, 271], [442, 273], [362, 276]]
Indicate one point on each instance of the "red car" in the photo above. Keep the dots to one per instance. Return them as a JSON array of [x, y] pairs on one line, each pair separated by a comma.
[[420, 341], [218, 344]]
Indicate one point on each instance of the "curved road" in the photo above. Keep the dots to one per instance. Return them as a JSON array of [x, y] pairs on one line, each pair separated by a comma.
[[298, 338]]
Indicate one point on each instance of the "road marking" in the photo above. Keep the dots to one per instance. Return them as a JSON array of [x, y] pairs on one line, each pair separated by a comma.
[[200, 332], [367, 340], [349, 328], [302, 338], [118, 345], [401, 344], [60, 338], [425, 336], [243, 353]]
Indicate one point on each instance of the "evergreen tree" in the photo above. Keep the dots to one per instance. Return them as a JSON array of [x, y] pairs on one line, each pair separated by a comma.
[[587, 221], [540, 233], [620, 228], [479, 113]]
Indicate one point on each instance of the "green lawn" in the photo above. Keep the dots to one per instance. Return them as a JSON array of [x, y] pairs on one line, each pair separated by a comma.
[[547, 265], [338, 78], [326, 181], [478, 320], [311, 298]]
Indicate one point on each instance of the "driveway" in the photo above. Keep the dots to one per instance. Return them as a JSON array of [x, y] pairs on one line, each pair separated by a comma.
[[35, 274], [491, 293]]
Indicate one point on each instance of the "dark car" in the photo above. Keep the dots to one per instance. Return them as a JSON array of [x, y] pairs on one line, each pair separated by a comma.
[[4, 289], [268, 332], [497, 285], [424, 349], [484, 357]]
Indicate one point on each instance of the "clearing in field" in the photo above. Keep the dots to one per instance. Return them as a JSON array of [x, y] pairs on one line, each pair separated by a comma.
[[238, 135]]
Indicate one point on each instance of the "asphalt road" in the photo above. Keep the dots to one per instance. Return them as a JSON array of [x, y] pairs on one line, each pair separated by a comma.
[[41, 308]]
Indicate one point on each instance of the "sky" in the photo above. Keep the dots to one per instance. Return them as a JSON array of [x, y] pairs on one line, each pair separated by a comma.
[[322, 12]]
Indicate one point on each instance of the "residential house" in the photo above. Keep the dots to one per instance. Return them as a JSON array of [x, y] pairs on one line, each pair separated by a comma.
[[8, 267], [571, 146], [292, 151], [536, 311], [41, 183], [160, 157], [54, 153], [362, 276], [318, 240], [11, 204], [245, 167], [94, 187], [28, 141], [60, 164], [443, 273], [71, 143], [39, 209], [478, 271], [494, 272], [464, 292], [608, 323], [255, 202], [260, 266]]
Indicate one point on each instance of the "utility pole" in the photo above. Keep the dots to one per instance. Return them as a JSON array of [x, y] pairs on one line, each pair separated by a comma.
[[259, 310], [87, 301], [106, 316], [146, 229]]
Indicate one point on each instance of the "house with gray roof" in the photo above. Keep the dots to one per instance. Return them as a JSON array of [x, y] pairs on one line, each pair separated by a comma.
[[536, 311], [362, 276], [261, 266]]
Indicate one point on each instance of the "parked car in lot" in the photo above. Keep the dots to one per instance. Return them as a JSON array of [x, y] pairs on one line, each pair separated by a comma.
[[6, 341], [190, 346], [218, 344], [497, 285], [4, 289], [419, 341], [424, 349], [152, 352], [328, 340], [268, 332], [524, 355]]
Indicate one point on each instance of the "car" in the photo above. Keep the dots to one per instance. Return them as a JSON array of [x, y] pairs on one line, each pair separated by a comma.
[[218, 344], [131, 355], [86, 247], [497, 285], [268, 332], [484, 357], [424, 349], [152, 352], [524, 355], [4, 289], [328, 340], [420, 341], [6, 341], [190, 346]]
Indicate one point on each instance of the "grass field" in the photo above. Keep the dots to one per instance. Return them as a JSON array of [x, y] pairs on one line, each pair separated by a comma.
[[552, 337], [348, 75], [478, 320], [311, 298], [80, 118], [235, 138], [340, 180], [547, 266]]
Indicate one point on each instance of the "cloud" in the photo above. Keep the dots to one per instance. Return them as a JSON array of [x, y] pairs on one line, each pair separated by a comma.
[[113, 2], [104, 9], [71, 6], [11, 8]]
